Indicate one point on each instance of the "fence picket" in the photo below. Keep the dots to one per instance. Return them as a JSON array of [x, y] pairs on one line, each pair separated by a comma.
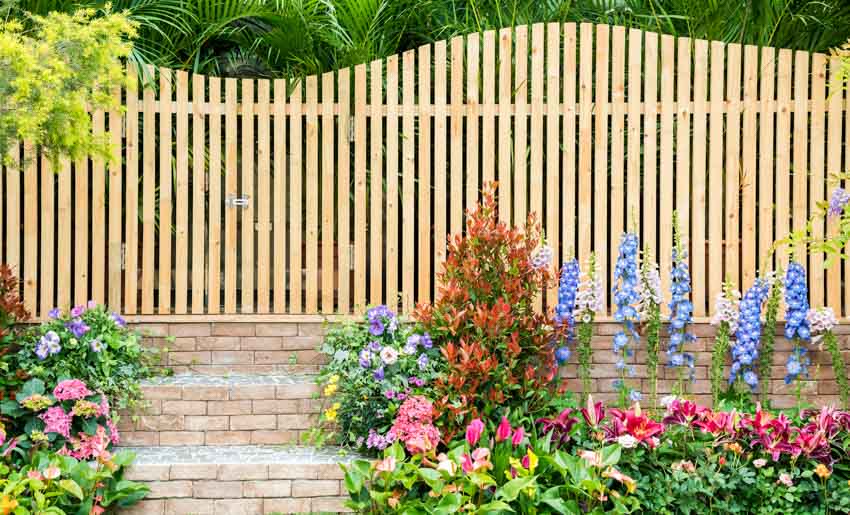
[[553, 122], [408, 186], [633, 141], [199, 187], [783, 154], [30, 241], [765, 166], [715, 176], [165, 188], [343, 188], [328, 200], [279, 195], [473, 76], [650, 148], [98, 223], [618, 142], [488, 109], [376, 184], [732, 165], [833, 165], [440, 157], [585, 145], [46, 217], [749, 178], [600, 185], [456, 138], [698, 243], [116, 204], [800, 142], [264, 193], [131, 195], [64, 272], [424, 172], [817, 177], [666, 195], [81, 234], [230, 192], [392, 248], [311, 186], [181, 204], [520, 124], [359, 190], [246, 251], [505, 89], [215, 200]]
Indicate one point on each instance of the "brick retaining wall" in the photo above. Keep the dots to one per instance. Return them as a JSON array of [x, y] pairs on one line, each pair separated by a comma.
[[291, 347]]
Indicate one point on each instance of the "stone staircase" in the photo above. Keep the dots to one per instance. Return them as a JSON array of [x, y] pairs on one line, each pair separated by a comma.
[[222, 435]]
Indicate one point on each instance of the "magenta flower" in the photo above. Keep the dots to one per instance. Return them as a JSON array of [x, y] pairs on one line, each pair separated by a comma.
[[503, 432], [474, 431]]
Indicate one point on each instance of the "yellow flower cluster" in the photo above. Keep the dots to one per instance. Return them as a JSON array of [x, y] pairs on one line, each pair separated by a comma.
[[331, 413], [332, 386]]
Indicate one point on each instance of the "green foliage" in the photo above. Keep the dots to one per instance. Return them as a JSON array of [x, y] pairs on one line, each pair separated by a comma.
[[12, 313], [108, 356], [584, 333], [54, 68], [511, 478], [768, 336], [291, 37], [718, 361], [54, 484], [839, 367]]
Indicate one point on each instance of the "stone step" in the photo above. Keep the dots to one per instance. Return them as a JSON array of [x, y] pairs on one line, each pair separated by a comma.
[[249, 480], [223, 410]]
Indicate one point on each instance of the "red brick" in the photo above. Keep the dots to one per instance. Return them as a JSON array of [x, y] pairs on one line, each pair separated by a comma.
[[267, 488], [218, 343], [189, 358], [252, 391], [186, 506], [261, 343], [301, 342], [232, 357], [184, 407], [277, 329], [229, 408], [206, 393], [145, 507], [275, 407], [297, 391], [311, 329], [228, 438], [207, 423], [287, 506], [248, 422], [160, 423], [314, 488], [239, 507], [217, 489], [169, 489], [232, 329], [173, 438], [150, 472], [169, 392], [295, 421], [194, 471], [329, 505], [273, 437], [140, 439], [242, 472]]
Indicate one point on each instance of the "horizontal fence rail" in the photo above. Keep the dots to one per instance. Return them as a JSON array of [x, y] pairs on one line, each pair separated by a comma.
[[326, 194]]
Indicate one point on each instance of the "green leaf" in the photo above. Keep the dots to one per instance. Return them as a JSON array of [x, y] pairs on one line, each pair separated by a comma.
[[510, 490], [495, 506], [610, 455], [72, 487], [432, 478], [32, 387], [449, 504]]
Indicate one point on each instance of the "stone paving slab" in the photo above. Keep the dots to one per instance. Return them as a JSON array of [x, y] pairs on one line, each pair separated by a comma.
[[228, 380], [248, 454]]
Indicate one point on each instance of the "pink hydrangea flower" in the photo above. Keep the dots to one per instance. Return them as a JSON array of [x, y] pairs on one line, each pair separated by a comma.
[[92, 446], [413, 425], [57, 421], [71, 389]]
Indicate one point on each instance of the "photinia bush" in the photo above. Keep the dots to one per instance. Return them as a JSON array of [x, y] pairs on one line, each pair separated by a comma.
[[499, 353], [12, 314]]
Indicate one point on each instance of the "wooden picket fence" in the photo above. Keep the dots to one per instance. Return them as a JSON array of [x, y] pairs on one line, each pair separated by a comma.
[[326, 194]]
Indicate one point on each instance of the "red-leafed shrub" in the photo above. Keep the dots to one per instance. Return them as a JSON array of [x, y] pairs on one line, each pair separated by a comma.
[[12, 311], [498, 351]]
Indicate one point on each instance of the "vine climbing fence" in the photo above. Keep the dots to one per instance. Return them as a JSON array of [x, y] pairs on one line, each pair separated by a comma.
[[321, 195]]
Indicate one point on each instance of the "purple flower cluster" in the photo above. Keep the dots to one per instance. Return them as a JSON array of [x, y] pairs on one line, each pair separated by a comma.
[[748, 335], [797, 302], [379, 441], [567, 291], [839, 199], [381, 320], [796, 321], [626, 297], [48, 345], [681, 309], [77, 327]]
